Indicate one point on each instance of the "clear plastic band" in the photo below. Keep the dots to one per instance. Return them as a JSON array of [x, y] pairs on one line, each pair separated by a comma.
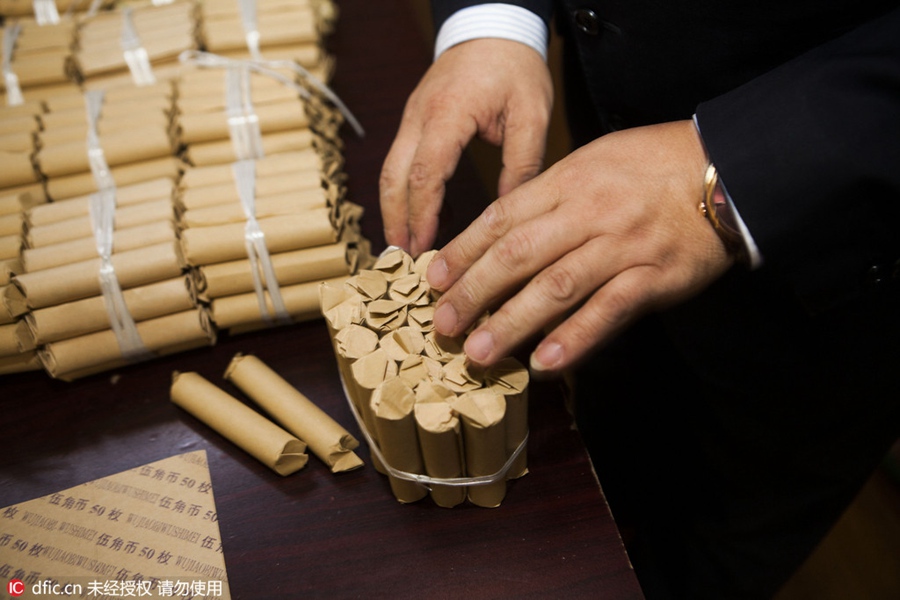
[[45, 12], [102, 212], [425, 480], [243, 124], [251, 26], [10, 79], [136, 56], [268, 68], [103, 179], [261, 268]]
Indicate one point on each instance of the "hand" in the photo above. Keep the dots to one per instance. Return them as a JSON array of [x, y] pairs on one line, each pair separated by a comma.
[[611, 231], [497, 89]]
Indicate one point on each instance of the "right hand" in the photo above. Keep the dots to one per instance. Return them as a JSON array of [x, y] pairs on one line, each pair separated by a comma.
[[497, 89]]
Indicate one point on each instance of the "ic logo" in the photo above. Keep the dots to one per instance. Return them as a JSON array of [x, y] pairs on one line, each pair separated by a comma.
[[15, 587]]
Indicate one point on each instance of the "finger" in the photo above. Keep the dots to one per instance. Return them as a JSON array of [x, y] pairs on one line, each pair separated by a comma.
[[607, 312], [513, 259], [393, 190], [433, 164], [524, 144], [551, 293]]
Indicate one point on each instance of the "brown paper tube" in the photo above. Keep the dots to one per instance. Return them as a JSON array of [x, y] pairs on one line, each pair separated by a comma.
[[484, 436], [242, 310], [16, 204], [96, 352], [8, 268], [20, 363], [29, 108], [309, 55], [162, 188], [295, 412], [285, 163], [10, 246], [269, 206], [440, 437], [203, 89], [290, 27], [22, 141], [392, 406], [12, 304], [40, 68], [81, 317], [209, 245], [305, 185], [119, 148], [101, 58], [206, 127], [16, 123], [341, 306], [81, 280], [129, 238], [11, 224], [298, 266], [15, 339], [221, 152], [17, 169], [394, 264], [240, 424], [403, 342], [155, 103], [352, 343], [60, 188], [510, 378], [77, 133], [81, 227]]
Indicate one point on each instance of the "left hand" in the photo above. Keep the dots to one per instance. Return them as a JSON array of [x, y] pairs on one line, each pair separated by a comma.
[[612, 231]]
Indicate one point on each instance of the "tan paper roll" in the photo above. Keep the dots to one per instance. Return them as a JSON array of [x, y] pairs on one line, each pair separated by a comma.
[[242, 310], [17, 169], [207, 127], [96, 352], [269, 206], [298, 266], [20, 363], [21, 141], [129, 238], [60, 188], [80, 227], [305, 185], [81, 280], [10, 246], [41, 68], [117, 111], [222, 152], [510, 378], [15, 338], [289, 27], [77, 133], [440, 438], [484, 436], [79, 206], [240, 424], [285, 163], [119, 148], [8, 268], [368, 373], [392, 405], [210, 245], [81, 317], [295, 412], [11, 224]]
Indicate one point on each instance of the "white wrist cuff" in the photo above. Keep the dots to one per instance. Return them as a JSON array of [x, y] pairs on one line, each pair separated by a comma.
[[497, 20]]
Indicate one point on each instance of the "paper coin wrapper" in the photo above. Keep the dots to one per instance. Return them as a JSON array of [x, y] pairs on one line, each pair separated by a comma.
[[295, 412], [234, 420], [434, 422], [82, 535]]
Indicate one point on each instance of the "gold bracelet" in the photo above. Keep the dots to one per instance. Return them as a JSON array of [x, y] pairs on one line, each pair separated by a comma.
[[717, 210]]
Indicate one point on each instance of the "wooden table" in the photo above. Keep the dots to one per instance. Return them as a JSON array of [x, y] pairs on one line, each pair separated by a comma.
[[314, 534]]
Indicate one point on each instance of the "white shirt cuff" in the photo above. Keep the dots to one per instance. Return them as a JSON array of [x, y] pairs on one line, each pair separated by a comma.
[[497, 20]]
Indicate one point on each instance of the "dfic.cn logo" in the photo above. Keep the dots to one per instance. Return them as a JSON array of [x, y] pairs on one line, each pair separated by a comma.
[[15, 587]]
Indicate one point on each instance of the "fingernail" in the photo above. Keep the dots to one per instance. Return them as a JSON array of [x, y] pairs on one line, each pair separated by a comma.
[[438, 273], [445, 319], [479, 345], [546, 357]]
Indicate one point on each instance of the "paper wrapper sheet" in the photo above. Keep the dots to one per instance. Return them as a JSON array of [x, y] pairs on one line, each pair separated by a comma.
[[295, 412], [119, 148], [81, 317], [207, 127], [269, 206], [240, 424], [96, 352], [79, 206], [20, 363], [18, 169], [60, 188], [301, 183], [222, 152], [15, 338], [440, 438], [81, 227], [482, 413], [285, 163]]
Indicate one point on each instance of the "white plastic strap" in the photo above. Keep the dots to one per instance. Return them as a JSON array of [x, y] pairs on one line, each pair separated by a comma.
[[251, 26], [136, 56], [243, 124], [45, 12], [10, 79], [103, 179], [268, 68], [102, 211], [261, 268]]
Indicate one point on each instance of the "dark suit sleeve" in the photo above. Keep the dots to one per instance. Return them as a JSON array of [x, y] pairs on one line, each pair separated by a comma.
[[442, 9], [810, 152]]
